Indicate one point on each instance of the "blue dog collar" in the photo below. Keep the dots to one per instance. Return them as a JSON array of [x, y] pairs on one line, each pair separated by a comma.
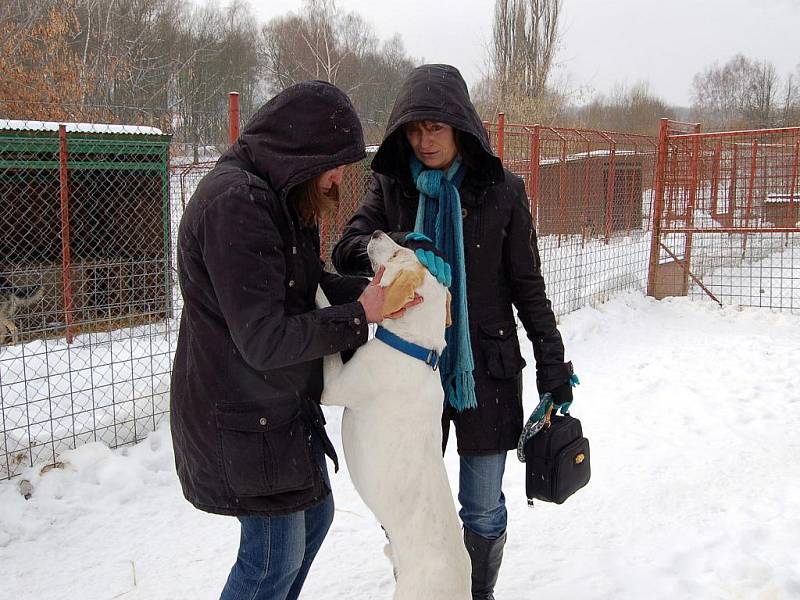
[[429, 357]]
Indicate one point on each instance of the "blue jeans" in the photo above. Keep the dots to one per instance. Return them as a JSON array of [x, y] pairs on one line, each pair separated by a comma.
[[480, 493], [275, 553]]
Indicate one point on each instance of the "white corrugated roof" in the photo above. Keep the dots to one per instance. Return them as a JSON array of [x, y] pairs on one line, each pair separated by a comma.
[[20, 125]]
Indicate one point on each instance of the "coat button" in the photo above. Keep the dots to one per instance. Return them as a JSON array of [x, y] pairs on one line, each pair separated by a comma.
[[357, 321], [291, 283], [464, 213], [262, 421]]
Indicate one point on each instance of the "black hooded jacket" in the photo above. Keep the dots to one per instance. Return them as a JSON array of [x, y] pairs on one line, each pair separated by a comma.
[[247, 374], [501, 255]]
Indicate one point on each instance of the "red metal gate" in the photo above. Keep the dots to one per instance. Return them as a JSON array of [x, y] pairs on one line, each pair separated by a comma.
[[725, 221]]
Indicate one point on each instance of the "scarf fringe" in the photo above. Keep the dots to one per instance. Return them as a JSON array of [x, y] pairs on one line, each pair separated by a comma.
[[461, 392]]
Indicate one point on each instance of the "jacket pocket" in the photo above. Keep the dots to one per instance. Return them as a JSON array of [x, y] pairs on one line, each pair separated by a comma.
[[265, 452], [500, 348]]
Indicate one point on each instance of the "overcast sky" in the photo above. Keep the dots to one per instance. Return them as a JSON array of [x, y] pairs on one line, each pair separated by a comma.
[[604, 42]]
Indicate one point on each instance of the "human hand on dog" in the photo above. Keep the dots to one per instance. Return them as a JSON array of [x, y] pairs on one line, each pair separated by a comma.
[[372, 299]]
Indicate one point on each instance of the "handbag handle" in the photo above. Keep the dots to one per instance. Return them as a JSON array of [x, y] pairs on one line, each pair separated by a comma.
[[540, 418]]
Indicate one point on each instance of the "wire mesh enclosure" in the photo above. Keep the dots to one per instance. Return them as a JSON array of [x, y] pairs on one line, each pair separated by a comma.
[[89, 302], [727, 217], [86, 287], [591, 198]]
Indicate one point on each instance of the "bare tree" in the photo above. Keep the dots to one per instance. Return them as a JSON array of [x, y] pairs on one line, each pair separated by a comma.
[[632, 109], [524, 43], [339, 47], [740, 93]]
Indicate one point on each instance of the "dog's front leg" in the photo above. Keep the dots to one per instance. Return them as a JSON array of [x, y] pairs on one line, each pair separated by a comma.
[[349, 387]]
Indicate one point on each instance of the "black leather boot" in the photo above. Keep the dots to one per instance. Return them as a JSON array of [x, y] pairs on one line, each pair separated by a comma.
[[486, 556]]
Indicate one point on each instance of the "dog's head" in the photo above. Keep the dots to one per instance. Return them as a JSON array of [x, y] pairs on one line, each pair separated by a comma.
[[404, 277]]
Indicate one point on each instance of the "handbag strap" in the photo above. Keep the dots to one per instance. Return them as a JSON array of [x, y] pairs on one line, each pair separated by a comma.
[[539, 419]]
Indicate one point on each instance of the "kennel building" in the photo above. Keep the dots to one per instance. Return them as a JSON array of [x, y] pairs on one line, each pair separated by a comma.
[[592, 193], [84, 213]]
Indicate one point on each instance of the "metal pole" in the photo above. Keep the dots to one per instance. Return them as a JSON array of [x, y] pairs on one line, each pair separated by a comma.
[[562, 175], [748, 210], [65, 252], [732, 186], [501, 134], [611, 191], [695, 182], [658, 207], [233, 116], [793, 184], [534, 177], [715, 171]]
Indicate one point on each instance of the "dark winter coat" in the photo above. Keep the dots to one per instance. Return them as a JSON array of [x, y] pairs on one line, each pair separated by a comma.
[[247, 376], [501, 255]]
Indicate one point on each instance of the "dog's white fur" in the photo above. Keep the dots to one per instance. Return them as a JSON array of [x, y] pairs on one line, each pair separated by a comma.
[[392, 438]]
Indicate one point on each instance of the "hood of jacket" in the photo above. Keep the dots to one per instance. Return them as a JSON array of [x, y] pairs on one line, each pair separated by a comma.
[[305, 130], [436, 93]]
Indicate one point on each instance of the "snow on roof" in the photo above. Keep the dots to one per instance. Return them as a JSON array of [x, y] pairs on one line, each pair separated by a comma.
[[594, 153], [777, 198], [19, 125]]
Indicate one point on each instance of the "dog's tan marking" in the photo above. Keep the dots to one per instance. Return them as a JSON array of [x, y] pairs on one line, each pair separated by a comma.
[[401, 290]]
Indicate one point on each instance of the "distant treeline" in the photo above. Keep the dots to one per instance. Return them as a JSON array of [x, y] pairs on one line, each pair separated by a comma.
[[170, 63]]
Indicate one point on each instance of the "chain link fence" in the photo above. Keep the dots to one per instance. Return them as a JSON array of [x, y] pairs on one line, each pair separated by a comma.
[[591, 197], [89, 303], [728, 217]]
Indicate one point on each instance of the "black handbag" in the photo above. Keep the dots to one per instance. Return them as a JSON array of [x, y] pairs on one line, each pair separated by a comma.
[[556, 457]]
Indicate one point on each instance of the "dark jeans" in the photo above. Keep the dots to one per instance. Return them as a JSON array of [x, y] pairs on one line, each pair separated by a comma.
[[275, 553]]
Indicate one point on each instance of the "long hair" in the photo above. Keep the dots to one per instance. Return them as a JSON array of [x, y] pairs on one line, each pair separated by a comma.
[[311, 204]]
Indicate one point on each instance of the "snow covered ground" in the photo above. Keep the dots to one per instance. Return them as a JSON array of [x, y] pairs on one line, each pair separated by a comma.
[[692, 413]]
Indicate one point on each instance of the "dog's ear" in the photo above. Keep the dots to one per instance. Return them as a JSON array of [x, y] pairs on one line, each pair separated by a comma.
[[401, 291], [448, 320]]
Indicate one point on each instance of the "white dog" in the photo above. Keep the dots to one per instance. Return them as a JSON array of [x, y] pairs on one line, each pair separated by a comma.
[[392, 434]]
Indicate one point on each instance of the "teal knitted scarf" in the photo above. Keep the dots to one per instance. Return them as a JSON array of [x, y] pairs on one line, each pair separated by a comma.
[[439, 218]]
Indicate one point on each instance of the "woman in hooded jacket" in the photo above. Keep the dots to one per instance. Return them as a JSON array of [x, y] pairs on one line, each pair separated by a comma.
[[437, 187], [246, 424]]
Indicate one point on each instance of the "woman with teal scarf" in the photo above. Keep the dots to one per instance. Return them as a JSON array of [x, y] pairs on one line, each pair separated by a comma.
[[437, 188]]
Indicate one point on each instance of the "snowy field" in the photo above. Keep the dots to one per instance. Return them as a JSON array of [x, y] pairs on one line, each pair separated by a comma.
[[692, 413]]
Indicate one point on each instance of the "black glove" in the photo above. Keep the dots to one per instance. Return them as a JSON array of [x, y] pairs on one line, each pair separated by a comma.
[[561, 393]]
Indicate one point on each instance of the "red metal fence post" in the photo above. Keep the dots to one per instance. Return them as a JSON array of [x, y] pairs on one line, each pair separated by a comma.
[[233, 116], [695, 183], [751, 188], [732, 185], [534, 176], [658, 207], [716, 165], [793, 185], [561, 226], [611, 190], [66, 261], [501, 134]]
